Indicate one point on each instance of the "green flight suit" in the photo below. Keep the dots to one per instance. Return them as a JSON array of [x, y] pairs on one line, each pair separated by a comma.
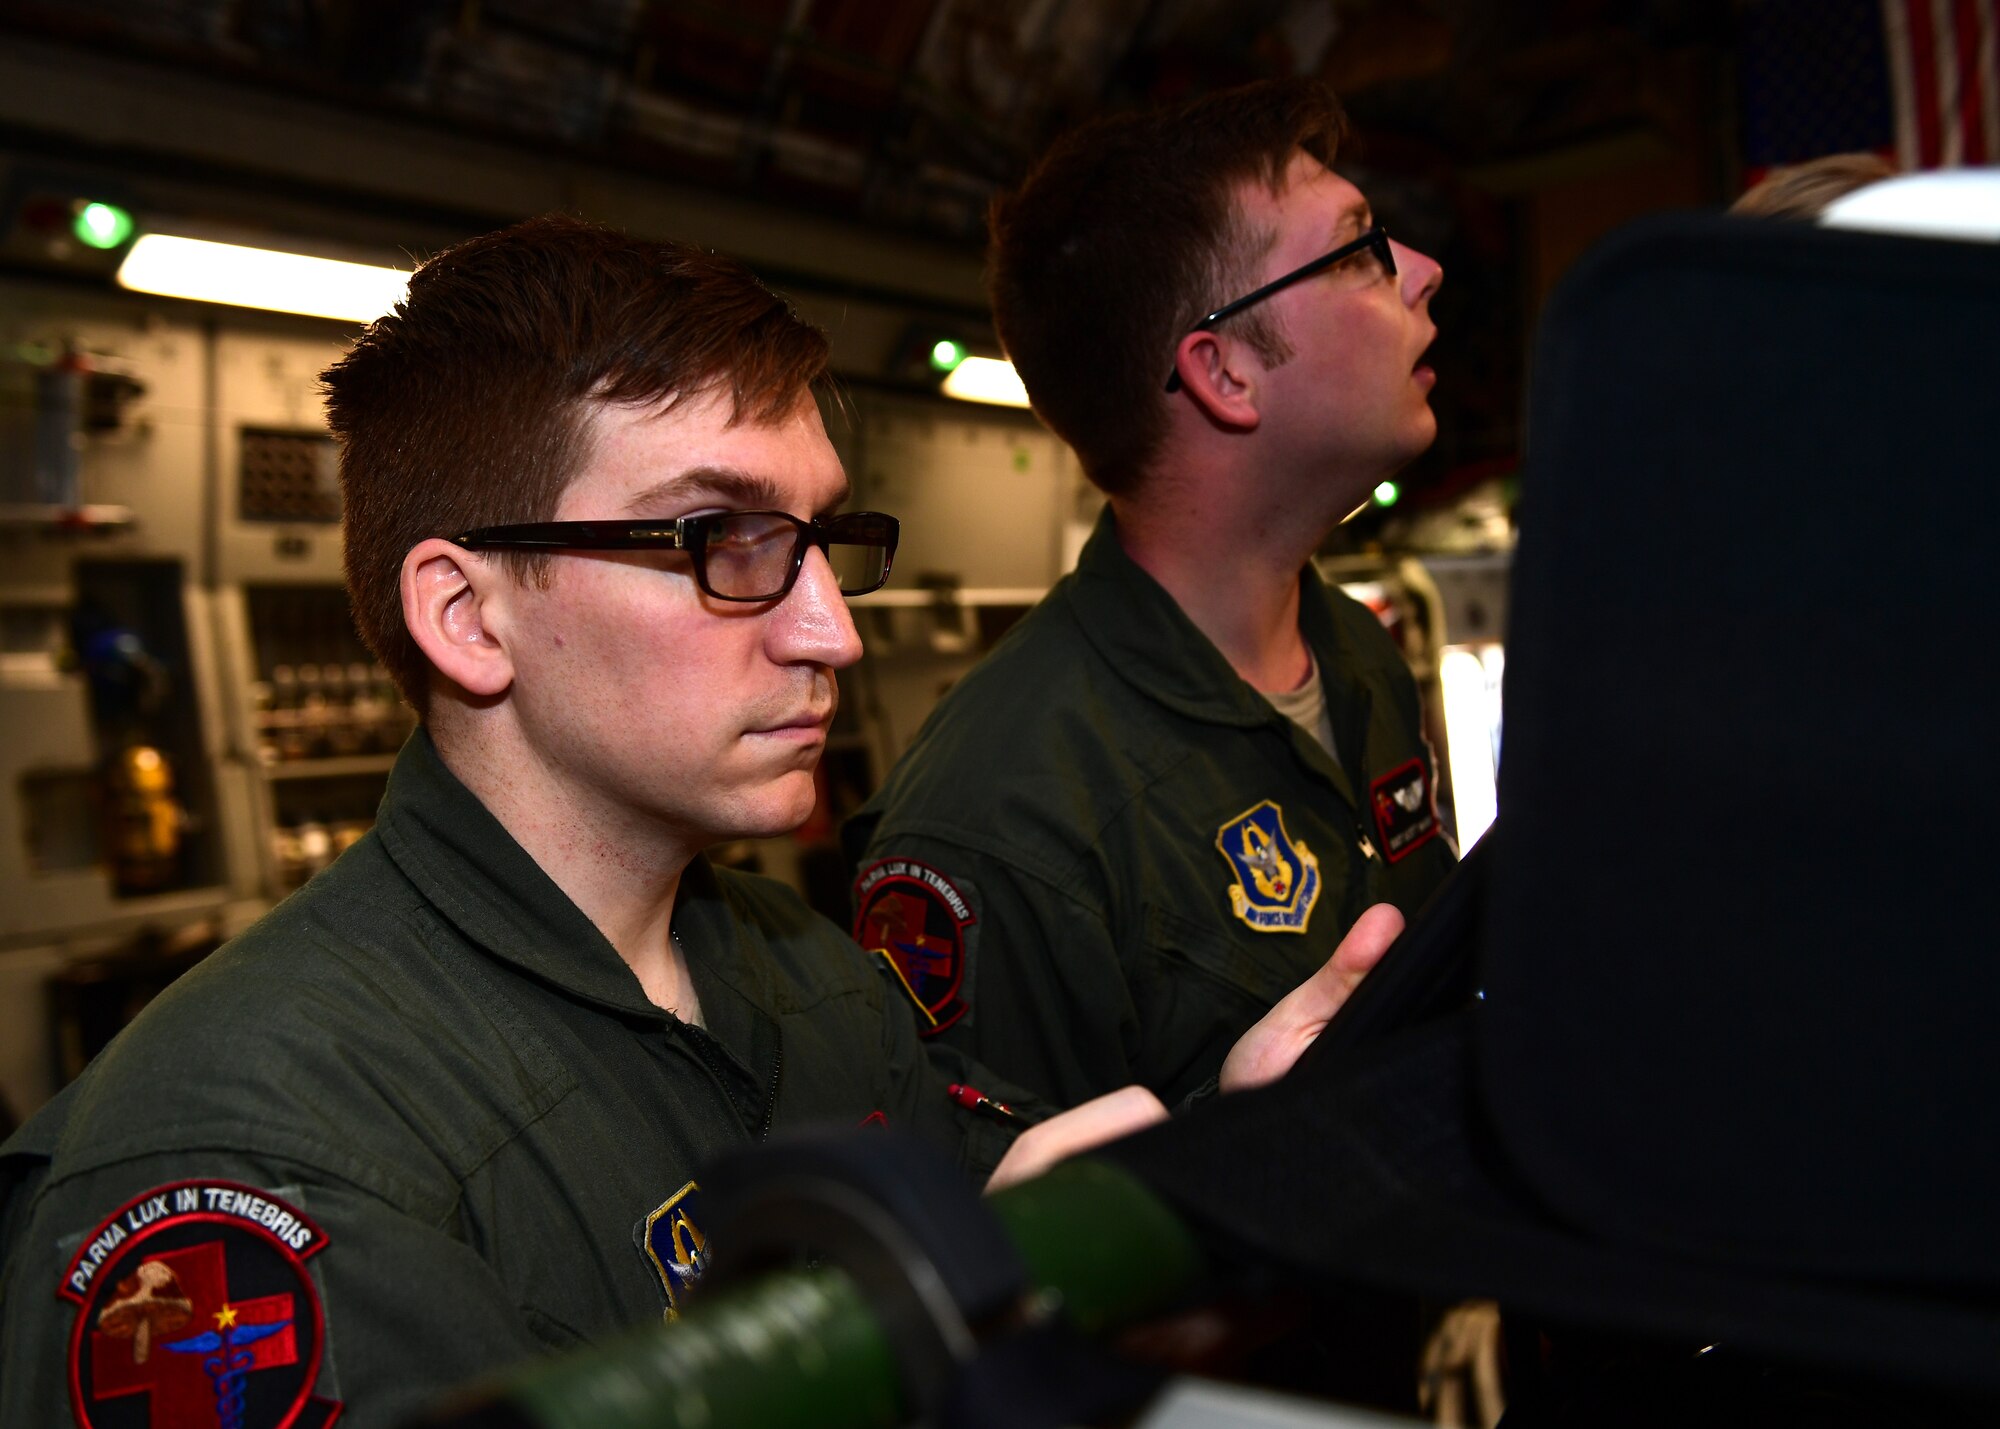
[[1068, 857], [433, 1073]]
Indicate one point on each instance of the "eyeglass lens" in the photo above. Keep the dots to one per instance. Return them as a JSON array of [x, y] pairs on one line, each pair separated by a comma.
[[750, 555]]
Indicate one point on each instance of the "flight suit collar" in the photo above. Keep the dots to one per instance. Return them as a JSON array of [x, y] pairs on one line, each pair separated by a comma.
[[479, 878], [1143, 633], [731, 973]]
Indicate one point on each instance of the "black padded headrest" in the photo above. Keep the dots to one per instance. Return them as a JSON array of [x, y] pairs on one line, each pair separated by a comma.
[[1740, 960]]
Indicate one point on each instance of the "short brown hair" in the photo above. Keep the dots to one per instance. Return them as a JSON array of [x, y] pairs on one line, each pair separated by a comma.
[[1122, 238], [466, 405], [1802, 191]]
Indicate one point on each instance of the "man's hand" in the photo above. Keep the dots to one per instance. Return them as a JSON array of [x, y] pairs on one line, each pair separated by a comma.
[[1093, 1123], [1266, 1052], [1263, 1054]]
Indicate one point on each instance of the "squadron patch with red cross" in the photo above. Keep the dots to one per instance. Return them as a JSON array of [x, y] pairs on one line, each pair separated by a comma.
[[915, 919], [1405, 809], [196, 1308]]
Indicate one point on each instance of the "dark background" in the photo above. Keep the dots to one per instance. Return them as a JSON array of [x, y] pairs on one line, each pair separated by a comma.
[[852, 145]]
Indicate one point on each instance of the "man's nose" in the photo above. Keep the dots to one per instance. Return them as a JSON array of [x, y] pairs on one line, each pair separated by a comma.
[[1422, 274], [813, 622]]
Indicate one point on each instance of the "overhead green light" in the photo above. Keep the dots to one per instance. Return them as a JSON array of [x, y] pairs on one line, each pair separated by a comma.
[[1388, 494], [102, 225], [946, 354]]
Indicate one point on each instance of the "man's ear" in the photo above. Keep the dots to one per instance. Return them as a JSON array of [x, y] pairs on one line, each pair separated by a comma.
[[452, 601], [1219, 375]]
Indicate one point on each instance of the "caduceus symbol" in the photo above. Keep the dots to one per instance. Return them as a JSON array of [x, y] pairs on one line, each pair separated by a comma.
[[228, 1362]]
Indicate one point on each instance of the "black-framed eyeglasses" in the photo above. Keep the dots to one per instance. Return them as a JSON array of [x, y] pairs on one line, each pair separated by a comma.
[[1375, 240], [746, 556]]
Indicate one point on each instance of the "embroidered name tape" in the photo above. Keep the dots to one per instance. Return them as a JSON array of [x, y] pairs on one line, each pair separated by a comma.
[[195, 1307], [1405, 809]]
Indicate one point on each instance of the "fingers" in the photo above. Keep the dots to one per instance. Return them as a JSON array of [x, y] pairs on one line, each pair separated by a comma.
[[1358, 952], [1311, 1005], [1266, 1052], [1093, 1123]]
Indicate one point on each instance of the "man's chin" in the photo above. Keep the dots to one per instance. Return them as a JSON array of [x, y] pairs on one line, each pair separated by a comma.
[[780, 813]]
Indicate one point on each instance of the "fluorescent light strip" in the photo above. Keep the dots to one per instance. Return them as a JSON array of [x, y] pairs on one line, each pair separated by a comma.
[[260, 278], [1470, 721], [986, 379], [1949, 203]]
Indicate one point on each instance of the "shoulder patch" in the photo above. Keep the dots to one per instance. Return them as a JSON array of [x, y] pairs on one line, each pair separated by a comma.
[[1405, 809], [914, 918], [674, 1245], [1277, 880], [196, 1307]]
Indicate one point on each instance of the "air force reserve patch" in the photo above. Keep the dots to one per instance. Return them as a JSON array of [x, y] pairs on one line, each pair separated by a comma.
[[1405, 811], [196, 1308], [1277, 881], [674, 1245], [915, 918]]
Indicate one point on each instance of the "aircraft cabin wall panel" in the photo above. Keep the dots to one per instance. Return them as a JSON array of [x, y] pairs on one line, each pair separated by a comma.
[[269, 384], [981, 499]]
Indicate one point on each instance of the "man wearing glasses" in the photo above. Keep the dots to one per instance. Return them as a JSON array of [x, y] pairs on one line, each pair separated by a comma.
[[1177, 783], [448, 1106]]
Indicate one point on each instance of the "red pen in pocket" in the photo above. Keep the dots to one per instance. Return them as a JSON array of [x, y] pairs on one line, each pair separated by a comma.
[[973, 1099]]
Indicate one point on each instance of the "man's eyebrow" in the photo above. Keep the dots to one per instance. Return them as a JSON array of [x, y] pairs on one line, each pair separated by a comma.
[[732, 485], [1355, 220], [728, 483]]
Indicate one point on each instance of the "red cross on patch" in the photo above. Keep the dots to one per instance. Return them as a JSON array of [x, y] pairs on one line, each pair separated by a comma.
[[915, 919], [196, 1309]]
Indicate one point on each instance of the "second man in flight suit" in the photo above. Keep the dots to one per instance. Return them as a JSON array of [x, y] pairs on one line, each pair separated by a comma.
[[1171, 789]]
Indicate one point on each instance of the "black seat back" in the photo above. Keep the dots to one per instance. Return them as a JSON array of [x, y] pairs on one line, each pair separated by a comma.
[[1741, 953]]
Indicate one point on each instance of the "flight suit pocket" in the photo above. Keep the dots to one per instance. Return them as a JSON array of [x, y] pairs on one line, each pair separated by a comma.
[[1257, 968]]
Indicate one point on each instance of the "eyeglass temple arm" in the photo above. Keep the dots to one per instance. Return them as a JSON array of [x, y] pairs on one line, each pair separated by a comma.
[[625, 535], [1230, 310], [563, 536], [1377, 234]]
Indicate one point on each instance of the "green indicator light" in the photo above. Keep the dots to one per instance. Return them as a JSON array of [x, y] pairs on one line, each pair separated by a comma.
[[946, 354], [1388, 494], [103, 225]]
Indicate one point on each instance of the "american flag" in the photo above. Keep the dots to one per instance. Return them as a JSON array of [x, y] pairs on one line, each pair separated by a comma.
[[1915, 80], [1944, 73]]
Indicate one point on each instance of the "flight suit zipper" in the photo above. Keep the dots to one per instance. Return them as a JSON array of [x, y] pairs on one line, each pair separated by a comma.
[[771, 1103], [709, 1052], [709, 1055]]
